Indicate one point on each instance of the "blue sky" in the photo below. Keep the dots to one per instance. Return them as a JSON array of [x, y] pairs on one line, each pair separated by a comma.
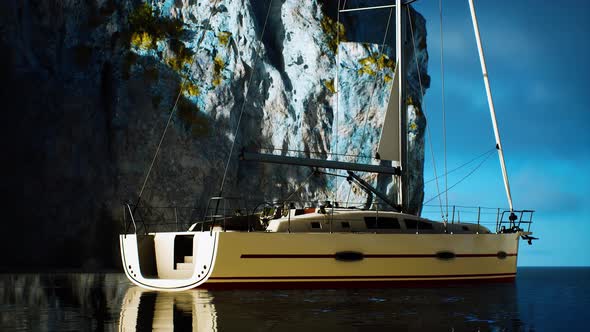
[[537, 55]]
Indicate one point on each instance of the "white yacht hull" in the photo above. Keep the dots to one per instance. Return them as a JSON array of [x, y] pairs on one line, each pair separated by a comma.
[[261, 259], [136, 261]]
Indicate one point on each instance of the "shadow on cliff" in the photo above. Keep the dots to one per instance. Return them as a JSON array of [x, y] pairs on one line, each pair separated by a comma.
[[57, 97], [81, 127]]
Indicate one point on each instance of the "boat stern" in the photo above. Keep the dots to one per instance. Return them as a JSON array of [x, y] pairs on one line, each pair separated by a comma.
[[172, 261]]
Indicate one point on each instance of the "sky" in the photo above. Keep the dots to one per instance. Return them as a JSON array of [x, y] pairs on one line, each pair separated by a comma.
[[537, 55]]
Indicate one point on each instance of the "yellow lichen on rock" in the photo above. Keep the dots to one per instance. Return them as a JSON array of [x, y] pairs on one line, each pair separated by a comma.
[[191, 89], [175, 63], [329, 84], [180, 56], [224, 37], [334, 32], [218, 65], [368, 61], [142, 40], [366, 70], [376, 63], [384, 61]]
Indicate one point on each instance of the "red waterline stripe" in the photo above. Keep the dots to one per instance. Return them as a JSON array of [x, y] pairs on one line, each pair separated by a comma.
[[256, 256], [369, 277], [350, 284]]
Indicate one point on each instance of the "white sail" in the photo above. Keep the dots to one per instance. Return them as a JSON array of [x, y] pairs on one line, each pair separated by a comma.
[[389, 145]]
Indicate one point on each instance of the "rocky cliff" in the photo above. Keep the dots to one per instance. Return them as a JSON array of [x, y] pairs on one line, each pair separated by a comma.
[[88, 87]]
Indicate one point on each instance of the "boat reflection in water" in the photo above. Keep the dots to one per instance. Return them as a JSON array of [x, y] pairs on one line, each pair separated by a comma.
[[482, 307], [144, 310]]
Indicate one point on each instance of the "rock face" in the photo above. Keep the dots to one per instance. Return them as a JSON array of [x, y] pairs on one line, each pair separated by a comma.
[[91, 85]]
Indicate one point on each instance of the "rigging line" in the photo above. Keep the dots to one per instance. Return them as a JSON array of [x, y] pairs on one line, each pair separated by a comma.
[[444, 114], [463, 165], [465, 177], [428, 134], [300, 186], [338, 188], [245, 99], [337, 83], [348, 196], [480, 207], [332, 174], [173, 110]]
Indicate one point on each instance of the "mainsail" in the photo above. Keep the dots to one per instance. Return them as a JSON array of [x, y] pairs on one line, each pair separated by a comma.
[[389, 144]]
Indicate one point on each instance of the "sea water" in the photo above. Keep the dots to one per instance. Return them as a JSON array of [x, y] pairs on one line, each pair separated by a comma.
[[541, 299]]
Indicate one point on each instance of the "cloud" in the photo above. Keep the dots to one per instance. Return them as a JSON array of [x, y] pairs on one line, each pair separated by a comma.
[[506, 39], [539, 93], [550, 186], [560, 186]]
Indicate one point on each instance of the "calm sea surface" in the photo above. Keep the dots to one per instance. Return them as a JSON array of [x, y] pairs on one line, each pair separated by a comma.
[[542, 299]]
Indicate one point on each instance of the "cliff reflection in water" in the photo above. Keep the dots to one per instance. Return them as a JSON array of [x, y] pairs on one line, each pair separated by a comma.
[[107, 302], [61, 301], [491, 307]]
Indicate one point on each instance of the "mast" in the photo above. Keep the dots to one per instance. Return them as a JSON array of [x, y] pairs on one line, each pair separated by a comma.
[[491, 104], [400, 34]]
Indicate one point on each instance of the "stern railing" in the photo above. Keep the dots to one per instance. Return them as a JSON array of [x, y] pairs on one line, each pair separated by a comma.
[[147, 219]]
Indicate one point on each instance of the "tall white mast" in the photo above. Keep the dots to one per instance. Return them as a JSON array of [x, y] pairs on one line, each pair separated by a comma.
[[393, 141], [491, 104], [400, 34]]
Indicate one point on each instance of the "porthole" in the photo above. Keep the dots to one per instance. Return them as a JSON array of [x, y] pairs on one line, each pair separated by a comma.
[[445, 255]]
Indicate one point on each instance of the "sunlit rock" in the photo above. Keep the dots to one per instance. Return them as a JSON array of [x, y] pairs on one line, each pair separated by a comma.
[[96, 81]]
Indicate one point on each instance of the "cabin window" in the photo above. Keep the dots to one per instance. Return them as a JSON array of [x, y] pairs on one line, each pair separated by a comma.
[[299, 212], [411, 223], [424, 225], [417, 225], [345, 224], [315, 224], [382, 223]]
